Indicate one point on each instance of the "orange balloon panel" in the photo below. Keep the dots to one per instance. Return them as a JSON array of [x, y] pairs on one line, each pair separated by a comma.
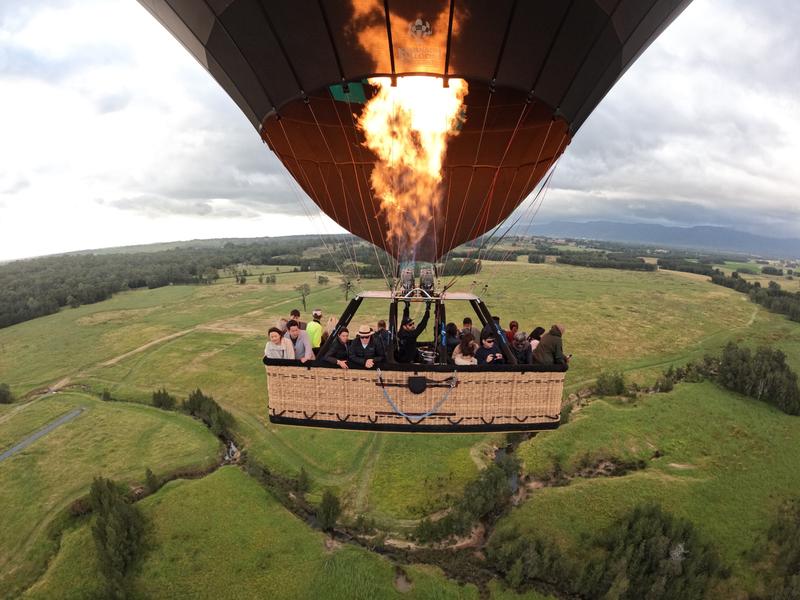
[[505, 147]]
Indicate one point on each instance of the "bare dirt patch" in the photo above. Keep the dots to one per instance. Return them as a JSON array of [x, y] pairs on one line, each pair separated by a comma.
[[401, 582]]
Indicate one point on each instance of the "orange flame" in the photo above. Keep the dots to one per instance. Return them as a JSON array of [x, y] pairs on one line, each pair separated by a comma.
[[407, 126]]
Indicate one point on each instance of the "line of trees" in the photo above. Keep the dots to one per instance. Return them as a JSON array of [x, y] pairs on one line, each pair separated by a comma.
[[763, 375], [687, 266], [606, 260], [773, 298], [201, 406], [41, 286]]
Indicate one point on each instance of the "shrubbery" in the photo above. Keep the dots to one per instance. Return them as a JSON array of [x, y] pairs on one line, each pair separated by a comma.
[[610, 383], [486, 496]]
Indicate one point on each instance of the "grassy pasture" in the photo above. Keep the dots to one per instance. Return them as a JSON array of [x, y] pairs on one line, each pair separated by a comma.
[[110, 439], [40, 352], [741, 266], [727, 463], [640, 322], [212, 337], [224, 536]]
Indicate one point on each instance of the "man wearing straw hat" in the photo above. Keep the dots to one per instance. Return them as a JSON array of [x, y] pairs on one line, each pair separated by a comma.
[[364, 352]]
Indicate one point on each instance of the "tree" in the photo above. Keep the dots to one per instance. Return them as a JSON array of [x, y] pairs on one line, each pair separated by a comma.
[[117, 531], [163, 400], [304, 290], [346, 286], [151, 482], [610, 383], [329, 511], [322, 280], [6, 397], [261, 279], [303, 481]]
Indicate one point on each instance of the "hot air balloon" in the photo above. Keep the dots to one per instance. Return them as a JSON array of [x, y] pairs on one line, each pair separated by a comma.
[[504, 86]]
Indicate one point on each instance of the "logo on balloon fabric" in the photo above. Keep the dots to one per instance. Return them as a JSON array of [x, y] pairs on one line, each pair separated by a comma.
[[420, 28]]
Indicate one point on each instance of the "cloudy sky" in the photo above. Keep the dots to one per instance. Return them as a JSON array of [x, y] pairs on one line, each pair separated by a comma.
[[111, 134]]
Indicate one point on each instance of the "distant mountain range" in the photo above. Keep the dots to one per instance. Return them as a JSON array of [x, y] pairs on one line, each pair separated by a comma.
[[701, 237]]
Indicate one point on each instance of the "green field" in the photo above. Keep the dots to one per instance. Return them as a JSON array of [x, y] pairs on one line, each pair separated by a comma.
[[109, 439], [225, 537], [212, 337], [723, 461]]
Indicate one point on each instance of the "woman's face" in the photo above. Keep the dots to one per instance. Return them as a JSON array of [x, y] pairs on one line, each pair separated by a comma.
[[274, 337]]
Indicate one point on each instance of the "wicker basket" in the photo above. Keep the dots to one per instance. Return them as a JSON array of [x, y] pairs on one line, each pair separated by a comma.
[[441, 400]]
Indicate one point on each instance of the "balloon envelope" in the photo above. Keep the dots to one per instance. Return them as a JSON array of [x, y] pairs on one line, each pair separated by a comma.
[[536, 69]]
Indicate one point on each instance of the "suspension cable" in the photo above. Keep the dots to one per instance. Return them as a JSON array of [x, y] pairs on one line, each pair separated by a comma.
[[358, 183], [299, 196], [335, 165], [488, 200]]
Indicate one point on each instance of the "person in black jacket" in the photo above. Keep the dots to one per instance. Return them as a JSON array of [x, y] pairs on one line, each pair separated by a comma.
[[364, 351], [337, 353], [384, 339], [408, 334], [489, 353]]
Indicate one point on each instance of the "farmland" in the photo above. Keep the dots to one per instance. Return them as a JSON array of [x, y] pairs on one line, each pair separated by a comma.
[[212, 336]]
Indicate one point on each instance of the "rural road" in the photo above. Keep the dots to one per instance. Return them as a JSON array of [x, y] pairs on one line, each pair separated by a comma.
[[42, 432]]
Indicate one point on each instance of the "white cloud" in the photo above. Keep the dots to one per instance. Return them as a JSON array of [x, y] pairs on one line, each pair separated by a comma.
[[704, 129]]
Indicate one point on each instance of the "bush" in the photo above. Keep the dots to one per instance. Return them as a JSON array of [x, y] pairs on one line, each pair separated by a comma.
[[486, 496], [163, 400], [665, 383], [106, 396], [329, 511], [610, 383], [81, 506], [566, 411], [6, 397]]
